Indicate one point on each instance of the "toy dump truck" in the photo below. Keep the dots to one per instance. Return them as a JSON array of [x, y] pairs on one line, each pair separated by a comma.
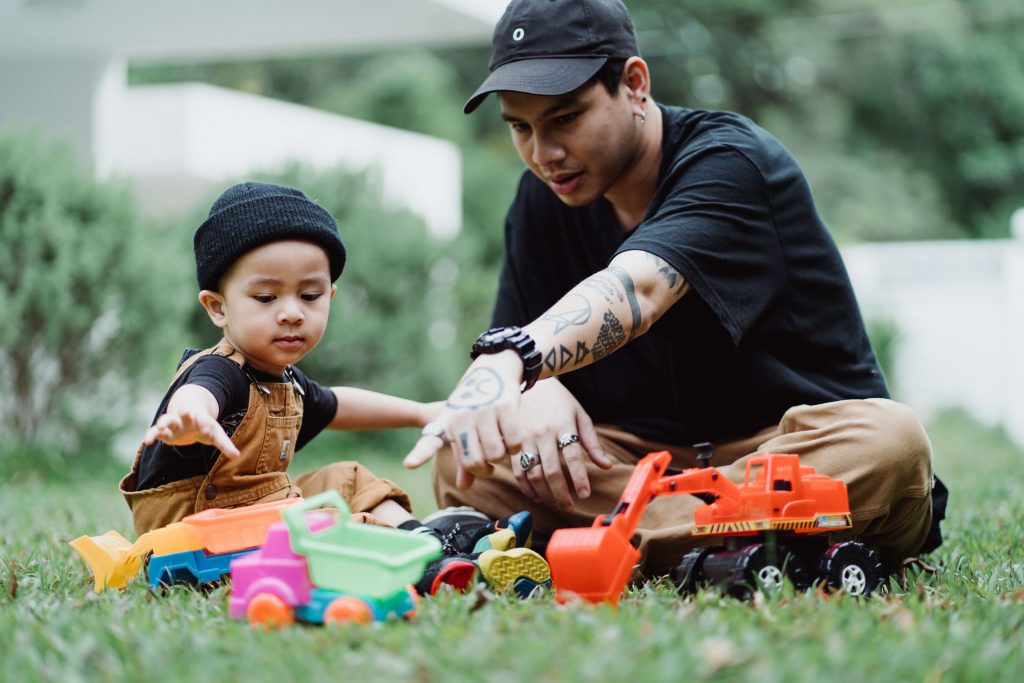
[[198, 549], [318, 567], [773, 525]]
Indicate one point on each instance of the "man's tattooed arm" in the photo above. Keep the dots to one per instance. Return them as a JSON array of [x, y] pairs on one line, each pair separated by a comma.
[[606, 311]]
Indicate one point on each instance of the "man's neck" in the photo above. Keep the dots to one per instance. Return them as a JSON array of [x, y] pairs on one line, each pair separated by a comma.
[[631, 196]]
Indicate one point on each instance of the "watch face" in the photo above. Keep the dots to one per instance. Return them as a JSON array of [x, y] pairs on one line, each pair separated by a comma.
[[494, 337]]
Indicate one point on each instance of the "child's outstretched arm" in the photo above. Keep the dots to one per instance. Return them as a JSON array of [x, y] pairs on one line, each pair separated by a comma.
[[364, 409], [191, 417]]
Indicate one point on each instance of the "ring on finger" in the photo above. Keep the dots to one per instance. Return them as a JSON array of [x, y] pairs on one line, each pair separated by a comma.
[[566, 439], [527, 461], [435, 429]]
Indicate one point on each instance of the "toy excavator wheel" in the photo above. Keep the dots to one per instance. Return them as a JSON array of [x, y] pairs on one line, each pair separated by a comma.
[[269, 611], [348, 609], [688, 577], [761, 573], [851, 567]]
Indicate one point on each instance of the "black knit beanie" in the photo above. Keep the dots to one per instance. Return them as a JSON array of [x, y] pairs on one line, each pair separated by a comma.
[[249, 215]]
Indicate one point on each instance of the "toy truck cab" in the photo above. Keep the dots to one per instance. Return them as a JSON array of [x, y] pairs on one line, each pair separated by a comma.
[[777, 487]]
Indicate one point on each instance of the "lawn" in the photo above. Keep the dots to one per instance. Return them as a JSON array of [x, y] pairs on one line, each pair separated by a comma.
[[965, 623]]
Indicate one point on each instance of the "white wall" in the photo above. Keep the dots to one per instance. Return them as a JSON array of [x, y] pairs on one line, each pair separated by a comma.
[[179, 142], [959, 309]]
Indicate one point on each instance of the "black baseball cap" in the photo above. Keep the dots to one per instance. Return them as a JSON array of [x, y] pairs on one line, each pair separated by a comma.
[[551, 47]]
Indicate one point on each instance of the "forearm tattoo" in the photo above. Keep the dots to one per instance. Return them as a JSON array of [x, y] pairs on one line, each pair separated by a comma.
[[603, 285], [575, 310], [610, 338], [564, 357], [480, 387], [615, 286]]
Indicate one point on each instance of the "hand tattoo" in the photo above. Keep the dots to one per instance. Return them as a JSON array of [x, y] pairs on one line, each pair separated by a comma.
[[480, 387]]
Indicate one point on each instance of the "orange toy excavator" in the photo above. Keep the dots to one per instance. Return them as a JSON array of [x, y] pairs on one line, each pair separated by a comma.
[[774, 524]]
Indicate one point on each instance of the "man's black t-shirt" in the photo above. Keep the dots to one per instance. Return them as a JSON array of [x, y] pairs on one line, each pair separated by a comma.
[[162, 463], [771, 321]]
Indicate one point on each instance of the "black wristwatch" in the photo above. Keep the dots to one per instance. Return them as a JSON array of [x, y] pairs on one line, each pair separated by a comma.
[[498, 339]]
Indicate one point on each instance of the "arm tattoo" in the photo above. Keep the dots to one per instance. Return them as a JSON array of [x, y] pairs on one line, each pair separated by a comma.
[[559, 360], [673, 277], [464, 442], [481, 387], [576, 311], [603, 285], [634, 305], [610, 338]]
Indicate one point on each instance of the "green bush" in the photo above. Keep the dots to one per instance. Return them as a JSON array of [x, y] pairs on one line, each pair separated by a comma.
[[83, 311]]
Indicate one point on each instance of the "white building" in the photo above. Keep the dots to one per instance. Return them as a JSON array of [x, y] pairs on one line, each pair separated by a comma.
[[958, 311], [63, 67]]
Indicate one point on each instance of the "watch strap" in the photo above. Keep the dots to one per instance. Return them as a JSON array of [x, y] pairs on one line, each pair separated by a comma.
[[498, 339]]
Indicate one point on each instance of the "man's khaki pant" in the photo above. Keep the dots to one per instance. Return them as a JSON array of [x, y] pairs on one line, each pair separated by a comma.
[[878, 447]]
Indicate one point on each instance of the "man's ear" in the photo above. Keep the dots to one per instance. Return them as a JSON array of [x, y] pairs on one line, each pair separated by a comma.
[[334, 290], [213, 302], [636, 77]]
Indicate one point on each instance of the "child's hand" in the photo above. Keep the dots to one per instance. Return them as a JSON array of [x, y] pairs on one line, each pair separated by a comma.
[[190, 426]]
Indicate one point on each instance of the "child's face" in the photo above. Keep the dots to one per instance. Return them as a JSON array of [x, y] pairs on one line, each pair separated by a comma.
[[273, 303]]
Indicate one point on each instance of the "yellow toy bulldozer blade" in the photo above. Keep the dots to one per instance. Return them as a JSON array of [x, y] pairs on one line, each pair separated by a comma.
[[110, 559]]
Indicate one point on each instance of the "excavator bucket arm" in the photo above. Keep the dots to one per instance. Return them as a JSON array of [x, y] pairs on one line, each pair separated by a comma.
[[110, 558], [594, 563]]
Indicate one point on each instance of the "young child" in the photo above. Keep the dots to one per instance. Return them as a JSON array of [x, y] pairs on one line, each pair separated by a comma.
[[225, 433]]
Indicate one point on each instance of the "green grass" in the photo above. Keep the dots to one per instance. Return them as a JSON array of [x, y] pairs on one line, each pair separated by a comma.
[[964, 624]]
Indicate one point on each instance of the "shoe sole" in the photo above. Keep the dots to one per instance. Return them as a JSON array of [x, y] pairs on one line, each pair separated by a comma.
[[502, 569]]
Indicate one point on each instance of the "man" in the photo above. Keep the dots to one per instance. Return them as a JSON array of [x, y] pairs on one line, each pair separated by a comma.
[[674, 284]]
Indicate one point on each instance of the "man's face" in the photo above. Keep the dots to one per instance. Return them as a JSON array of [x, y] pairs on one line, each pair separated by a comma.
[[580, 144]]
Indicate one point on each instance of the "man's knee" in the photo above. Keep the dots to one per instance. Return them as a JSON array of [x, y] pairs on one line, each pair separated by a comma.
[[902, 439]]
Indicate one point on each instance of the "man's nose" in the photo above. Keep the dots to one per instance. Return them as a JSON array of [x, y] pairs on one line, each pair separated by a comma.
[[547, 150]]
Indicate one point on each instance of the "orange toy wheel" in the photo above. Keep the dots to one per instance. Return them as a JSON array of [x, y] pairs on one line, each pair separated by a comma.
[[269, 611], [348, 609]]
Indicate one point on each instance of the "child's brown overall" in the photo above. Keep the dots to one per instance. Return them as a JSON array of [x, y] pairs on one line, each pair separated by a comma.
[[266, 438]]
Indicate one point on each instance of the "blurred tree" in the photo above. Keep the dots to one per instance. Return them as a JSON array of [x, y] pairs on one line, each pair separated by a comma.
[[85, 319], [907, 116]]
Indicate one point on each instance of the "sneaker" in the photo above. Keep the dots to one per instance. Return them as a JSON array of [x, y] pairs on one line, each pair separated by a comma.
[[520, 569], [459, 572], [465, 530]]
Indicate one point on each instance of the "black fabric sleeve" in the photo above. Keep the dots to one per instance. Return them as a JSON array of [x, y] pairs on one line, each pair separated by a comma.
[[319, 406], [712, 222], [222, 378], [508, 306]]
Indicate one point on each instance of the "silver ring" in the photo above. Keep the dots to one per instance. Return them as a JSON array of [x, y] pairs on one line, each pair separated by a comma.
[[566, 439], [435, 429], [527, 461]]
